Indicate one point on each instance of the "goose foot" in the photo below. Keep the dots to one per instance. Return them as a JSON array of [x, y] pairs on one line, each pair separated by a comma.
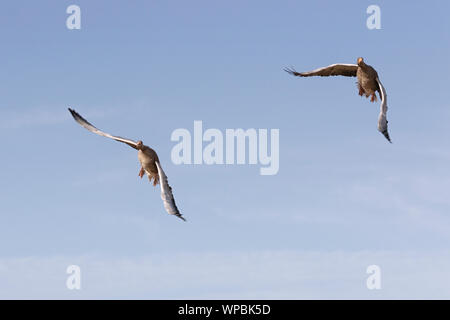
[[361, 91], [373, 98]]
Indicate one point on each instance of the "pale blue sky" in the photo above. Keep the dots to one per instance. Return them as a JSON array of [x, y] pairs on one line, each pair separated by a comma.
[[344, 198]]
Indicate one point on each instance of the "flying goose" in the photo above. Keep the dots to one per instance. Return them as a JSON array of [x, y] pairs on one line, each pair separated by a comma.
[[368, 84], [149, 164]]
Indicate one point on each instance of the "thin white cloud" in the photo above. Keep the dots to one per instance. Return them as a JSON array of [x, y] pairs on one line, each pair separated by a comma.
[[238, 275], [12, 119], [41, 116]]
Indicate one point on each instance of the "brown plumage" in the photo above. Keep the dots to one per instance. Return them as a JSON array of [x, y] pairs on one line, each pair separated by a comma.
[[148, 157], [368, 84]]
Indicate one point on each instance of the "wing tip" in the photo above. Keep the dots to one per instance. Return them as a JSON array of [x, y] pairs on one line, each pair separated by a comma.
[[292, 71], [179, 215], [386, 135], [74, 114]]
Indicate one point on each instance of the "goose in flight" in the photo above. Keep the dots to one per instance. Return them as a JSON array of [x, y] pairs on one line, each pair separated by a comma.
[[149, 164], [368, 84]]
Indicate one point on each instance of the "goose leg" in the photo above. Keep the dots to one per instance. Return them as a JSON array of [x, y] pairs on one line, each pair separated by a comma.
[[141, 173], [361, 90], [155, 179], [373, 98]]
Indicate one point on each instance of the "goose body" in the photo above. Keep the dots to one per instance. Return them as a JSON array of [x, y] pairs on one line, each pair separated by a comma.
[[148, 158]]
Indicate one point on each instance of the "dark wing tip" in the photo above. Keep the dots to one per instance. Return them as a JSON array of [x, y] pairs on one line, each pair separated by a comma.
[[178, 214], [78, 118], [386, 135], [75, 114], [291, 71]]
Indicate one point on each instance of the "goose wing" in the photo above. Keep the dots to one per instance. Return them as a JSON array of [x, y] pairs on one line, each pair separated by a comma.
[[382, 120], [84, 123], [166, 194], [338, 69]]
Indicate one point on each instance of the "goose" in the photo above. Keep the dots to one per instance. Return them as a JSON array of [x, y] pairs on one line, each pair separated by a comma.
[[149, 161], [368, 84]]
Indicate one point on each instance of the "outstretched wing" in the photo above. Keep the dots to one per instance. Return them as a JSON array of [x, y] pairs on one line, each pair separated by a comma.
[[338, 69], [166, 194], [84, 123], [382, 121]]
